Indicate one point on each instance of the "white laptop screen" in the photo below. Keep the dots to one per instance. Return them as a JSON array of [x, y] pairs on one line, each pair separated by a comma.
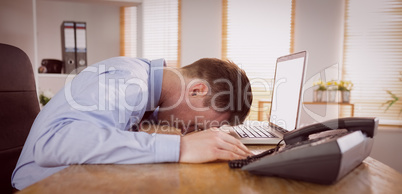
[[286, 93]]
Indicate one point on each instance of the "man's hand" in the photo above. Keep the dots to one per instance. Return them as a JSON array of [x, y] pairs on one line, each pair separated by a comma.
[[211, 145]]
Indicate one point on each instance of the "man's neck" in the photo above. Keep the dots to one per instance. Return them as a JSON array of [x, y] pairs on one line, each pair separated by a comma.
[[173, 83]]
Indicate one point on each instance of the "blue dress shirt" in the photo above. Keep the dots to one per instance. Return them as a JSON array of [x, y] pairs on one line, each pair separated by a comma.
[[89, 121]]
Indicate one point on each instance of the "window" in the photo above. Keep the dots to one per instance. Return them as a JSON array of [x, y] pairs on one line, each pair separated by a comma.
[[254, 35], [154, 36], [128, 33], [373, 57]]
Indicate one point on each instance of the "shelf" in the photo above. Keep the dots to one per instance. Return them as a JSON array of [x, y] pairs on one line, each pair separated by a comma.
[[267, 101], [56, 75], [53, 81], [328, 103], [112, 2]]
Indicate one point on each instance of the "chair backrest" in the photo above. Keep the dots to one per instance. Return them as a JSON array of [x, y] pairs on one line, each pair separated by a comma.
[[18, 108]]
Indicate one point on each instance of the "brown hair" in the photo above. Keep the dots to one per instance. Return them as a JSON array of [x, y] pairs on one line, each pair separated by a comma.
[[230, 88]]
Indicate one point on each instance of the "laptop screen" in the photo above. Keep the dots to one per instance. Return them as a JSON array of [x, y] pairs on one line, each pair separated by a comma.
[[286, 96]]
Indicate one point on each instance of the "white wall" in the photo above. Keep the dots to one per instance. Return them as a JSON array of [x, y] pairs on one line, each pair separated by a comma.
[[319, 31], [16, 25], [201, 30], [387, 147]]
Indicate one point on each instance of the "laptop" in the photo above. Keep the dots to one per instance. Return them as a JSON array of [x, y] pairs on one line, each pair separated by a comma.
[[286, 102]]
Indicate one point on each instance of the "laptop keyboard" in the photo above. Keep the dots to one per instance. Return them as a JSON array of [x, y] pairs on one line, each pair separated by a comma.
[[253, 131]]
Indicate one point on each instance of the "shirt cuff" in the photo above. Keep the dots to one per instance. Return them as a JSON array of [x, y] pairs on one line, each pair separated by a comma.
[[167, 148]]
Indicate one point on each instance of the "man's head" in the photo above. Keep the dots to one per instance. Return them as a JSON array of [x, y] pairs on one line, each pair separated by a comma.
[[216, 91], [229, 87]]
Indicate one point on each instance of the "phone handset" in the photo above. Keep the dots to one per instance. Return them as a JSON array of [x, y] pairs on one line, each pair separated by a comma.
[[366, 125]]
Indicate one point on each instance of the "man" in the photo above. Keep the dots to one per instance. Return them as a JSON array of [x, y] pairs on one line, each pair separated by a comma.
[[90, 121]]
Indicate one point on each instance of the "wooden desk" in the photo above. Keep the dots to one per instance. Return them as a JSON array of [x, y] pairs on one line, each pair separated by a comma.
[[370, 177]]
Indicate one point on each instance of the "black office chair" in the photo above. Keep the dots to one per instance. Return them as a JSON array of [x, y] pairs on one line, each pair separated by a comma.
[[18, 109]]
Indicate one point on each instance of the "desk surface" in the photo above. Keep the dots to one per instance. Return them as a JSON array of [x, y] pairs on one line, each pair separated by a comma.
[[369, 177]]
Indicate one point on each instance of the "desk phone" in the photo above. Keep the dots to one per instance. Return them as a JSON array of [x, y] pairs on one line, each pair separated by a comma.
[[321, 153]]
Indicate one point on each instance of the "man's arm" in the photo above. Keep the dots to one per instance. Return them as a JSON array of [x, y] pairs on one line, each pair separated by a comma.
[[87, 121], [80, 142]]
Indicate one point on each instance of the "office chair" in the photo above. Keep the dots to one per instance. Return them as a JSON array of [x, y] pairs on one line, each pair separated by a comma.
[[18, 109]]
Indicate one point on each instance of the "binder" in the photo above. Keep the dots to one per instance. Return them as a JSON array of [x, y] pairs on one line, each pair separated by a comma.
[[81, 46], [68, 47]]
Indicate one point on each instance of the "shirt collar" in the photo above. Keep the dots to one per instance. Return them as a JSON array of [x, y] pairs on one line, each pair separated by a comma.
[[155, 83]]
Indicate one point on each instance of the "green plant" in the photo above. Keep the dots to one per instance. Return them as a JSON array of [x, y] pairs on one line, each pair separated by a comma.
[[332, 85], [394, 98], [321, 85], [345, 85], [392, 101], [45, 97]]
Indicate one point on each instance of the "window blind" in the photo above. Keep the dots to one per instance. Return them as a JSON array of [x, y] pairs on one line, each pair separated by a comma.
[[160, 31], [254, 35], [373, 57]]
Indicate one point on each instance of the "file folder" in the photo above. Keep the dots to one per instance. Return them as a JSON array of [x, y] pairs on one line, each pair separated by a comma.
[[68, 47], [81, 46]]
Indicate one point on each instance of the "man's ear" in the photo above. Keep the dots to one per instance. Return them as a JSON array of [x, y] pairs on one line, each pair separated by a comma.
[[199, 89]]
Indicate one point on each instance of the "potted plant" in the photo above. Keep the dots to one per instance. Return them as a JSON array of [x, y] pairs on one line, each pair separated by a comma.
[[45, 97], [319, 92], [394, 98], [345, 87], [332, 87]]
